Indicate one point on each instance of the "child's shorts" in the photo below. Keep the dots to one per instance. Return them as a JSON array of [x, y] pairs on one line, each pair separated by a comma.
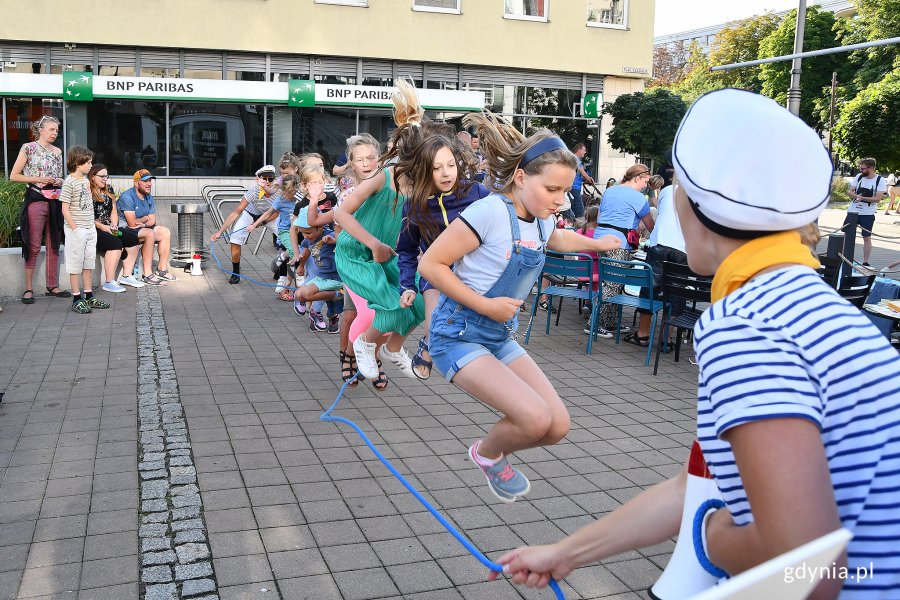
[[285, 238], [81, 248], [325, 285], [459, 335]]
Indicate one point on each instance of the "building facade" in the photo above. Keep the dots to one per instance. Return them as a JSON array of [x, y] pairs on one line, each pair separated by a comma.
[[200, 91]]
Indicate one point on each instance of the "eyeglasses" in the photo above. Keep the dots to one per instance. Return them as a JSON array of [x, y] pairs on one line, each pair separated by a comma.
[[102, 176]]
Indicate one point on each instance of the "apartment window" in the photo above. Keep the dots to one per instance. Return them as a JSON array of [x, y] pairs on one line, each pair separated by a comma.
[[607, 13], [345, 2], [528, 10], [442, 6]]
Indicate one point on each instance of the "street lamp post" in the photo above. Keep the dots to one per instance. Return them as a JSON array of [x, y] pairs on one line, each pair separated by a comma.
[[793, 94]]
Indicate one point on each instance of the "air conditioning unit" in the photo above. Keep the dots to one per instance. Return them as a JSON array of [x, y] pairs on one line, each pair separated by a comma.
[[10, 65]]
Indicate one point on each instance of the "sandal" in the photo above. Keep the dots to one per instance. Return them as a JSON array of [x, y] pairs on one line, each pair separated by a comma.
[[418, 361], [30, 299], [58, 293], [348, 368], [382, 381], [637, 340]]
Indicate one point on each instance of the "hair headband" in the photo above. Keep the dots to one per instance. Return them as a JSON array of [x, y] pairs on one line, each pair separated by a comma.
[[542, 147]]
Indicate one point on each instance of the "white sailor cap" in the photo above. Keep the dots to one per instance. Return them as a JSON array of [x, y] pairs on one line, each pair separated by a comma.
[[749, 166]]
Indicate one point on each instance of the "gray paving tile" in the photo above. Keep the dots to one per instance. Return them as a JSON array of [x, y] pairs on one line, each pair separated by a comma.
[[365, 583], [238, 570]]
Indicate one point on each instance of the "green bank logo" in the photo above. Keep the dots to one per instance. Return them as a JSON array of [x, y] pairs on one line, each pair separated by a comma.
[[78, 87], [593, 104], [301, 92]]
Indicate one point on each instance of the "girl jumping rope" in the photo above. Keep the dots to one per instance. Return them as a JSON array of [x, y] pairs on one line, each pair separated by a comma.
[[371, 218], [485, 264], [438, 194]]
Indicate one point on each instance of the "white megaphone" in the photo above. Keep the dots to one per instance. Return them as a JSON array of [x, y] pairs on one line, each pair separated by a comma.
[[684, 577], [196, 270]]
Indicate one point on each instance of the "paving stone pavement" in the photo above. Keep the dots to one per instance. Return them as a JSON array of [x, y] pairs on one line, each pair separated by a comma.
[[293, 507]]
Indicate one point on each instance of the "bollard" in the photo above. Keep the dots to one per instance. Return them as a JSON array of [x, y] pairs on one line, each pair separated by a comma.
[[190, 239]]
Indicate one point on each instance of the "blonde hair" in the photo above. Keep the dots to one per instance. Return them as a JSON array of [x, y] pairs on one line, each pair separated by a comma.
[[290, 185], [39, 124], [289, 160], [407, 110], [310, 172], [361, 139], [809, 235], [504, 147]]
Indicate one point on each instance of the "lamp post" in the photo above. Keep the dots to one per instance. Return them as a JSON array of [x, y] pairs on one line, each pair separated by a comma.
[[793, 94]]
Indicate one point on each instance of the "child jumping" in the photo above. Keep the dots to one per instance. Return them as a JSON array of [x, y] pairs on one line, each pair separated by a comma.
[[281, 212], [798, 413], [438, 194], [485, 265], [317, 246], [81, 234]]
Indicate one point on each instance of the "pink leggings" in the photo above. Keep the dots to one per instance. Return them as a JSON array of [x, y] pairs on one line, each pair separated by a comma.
[[39, 225], [365, 316]]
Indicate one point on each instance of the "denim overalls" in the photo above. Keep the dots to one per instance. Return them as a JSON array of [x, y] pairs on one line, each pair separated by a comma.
[[459, 335]]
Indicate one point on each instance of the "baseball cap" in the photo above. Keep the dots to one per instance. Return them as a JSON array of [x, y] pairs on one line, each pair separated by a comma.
[[266, 170], [723, 156], [143, 175], [302, 220]]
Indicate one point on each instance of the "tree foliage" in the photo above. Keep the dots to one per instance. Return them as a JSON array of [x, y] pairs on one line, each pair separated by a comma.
[[670, 64], [816, 72], [869, 122], [739, 42], [645, 123]]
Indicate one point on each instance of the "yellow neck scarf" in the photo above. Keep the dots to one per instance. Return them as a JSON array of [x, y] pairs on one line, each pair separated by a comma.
[[757, 255]]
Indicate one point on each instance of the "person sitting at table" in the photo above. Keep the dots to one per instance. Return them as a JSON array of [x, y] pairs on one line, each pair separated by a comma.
[[623, 207]]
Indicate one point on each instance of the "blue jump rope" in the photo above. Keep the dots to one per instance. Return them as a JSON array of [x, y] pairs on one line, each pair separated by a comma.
[[327, 416]]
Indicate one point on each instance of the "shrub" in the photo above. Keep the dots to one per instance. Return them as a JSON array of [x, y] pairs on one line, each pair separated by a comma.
[[12, 195], [840, 191]]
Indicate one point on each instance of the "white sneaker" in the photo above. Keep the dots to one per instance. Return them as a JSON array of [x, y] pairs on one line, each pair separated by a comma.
[[131, 281], [113, 287], [365, 357], [280, 285], [599, 332], [399, 359]]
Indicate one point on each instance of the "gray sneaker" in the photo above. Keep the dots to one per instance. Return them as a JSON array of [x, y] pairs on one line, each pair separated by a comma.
[[505, 482]]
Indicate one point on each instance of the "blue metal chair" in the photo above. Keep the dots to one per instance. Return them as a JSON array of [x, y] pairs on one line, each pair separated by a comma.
[[631, 273], [574, 277]]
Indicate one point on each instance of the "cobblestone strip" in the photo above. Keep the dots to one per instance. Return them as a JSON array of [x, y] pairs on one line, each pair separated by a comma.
[[175, 557]]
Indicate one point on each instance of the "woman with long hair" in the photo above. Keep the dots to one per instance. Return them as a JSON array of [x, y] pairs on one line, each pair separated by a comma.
[[113, 242]]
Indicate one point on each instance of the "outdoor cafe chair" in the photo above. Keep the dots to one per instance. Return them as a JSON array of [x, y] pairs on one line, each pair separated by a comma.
[[567, 273], [678, 281], [629, 273]]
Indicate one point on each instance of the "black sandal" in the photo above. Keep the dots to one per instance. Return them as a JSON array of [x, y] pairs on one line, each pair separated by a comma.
[[28, 300], [634, 338], [348, 369], [382, 381], [58, 293], [418, 361]]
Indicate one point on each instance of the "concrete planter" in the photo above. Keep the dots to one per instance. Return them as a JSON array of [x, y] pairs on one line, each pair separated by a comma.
[[12, 273]]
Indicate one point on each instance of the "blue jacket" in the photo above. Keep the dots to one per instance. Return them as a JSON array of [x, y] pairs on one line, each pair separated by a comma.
[[443, 209]]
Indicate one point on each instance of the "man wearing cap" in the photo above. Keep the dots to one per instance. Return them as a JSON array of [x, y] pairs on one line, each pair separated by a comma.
[[139, 209], [255, 202]]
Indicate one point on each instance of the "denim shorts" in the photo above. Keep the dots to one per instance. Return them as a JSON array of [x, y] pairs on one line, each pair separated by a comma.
[[459, 335]]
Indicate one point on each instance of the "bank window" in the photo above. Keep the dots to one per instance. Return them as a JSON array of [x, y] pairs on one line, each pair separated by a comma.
[[528, 10], [441, 6], [345, 2], [215, 139], [21, 114], [607, 13], [300, 130]]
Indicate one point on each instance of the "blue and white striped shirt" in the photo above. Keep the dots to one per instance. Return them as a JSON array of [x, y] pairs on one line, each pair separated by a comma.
[[786, 345]]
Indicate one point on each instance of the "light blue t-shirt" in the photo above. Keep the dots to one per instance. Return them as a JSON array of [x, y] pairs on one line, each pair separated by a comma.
[[129, 201], [624, 207], [577, 184], [285, 210]]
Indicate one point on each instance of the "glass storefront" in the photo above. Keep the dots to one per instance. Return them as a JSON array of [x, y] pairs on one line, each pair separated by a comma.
[[223, 139], [19, 115]]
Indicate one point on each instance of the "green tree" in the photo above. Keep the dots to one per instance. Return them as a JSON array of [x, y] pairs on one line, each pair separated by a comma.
[[776, 77], [739, 42], [699, 79], [868, 124], [645, 123], [875, 20]]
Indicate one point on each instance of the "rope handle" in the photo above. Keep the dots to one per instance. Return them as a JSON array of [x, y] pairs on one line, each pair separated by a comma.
[[699, 538]]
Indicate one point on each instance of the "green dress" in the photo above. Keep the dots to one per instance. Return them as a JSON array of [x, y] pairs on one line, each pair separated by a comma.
[[378, 283]]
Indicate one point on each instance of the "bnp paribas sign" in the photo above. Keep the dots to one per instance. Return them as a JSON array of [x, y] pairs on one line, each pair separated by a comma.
[[298, 93]]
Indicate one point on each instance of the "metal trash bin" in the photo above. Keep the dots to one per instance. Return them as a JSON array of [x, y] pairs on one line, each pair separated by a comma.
[[190, 234]]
